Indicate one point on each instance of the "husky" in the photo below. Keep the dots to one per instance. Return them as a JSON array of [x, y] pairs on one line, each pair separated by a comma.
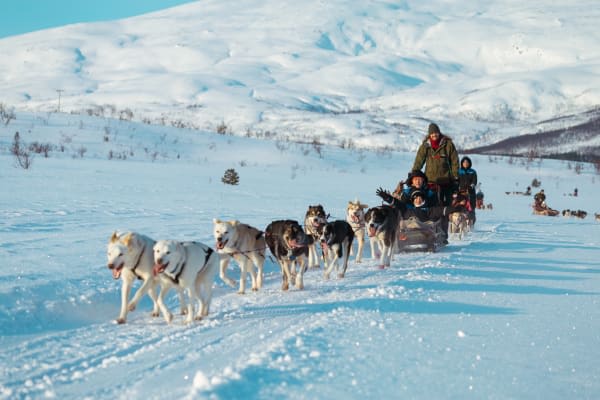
[[597, 216], [458, 223], [289, 245], [314, 220], [336, 241], [191, 266], [246, 245], [574, 213], [130, 258], [382, 225], [355, 216]]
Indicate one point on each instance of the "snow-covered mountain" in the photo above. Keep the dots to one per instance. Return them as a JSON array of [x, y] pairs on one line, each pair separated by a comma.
[[371, 73]]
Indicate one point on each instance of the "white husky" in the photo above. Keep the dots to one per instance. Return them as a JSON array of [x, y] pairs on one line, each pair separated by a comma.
[[355, 216], [192, 266], [246, 245], [130, 257]]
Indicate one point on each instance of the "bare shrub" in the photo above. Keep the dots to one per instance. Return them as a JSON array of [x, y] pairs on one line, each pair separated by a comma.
[[222, 128], [6, 115], [317, 147], [126, 115], [81, 151], [40, 148], [23, 157]]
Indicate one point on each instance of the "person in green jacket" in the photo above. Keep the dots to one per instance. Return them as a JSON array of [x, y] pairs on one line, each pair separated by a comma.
[[438, 154]]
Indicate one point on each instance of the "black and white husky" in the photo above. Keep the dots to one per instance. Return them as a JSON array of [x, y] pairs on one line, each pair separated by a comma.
[[382, 225], [336, 240], [314, 220]]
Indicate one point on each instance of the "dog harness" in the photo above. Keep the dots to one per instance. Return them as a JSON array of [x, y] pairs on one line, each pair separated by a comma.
[[180, 267]]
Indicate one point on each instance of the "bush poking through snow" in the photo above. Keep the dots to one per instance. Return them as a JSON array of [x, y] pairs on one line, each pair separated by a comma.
[[230, 177]]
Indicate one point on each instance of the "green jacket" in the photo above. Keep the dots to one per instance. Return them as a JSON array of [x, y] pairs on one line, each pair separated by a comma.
[[441, 165]]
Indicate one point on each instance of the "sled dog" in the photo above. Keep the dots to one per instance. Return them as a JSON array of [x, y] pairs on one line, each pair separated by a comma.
[[191, 266], [130, 258], [246, 245], [597, 216], [574, 213], [458, 223], [314, 220], [336, 241], [382, 225], [289, 245], [355, 216]]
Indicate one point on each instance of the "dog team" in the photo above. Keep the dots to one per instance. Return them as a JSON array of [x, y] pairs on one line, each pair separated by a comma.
[[191, 267]]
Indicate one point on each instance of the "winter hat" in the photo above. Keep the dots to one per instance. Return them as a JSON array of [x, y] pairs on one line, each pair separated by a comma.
[[417, 193], [433, 128], [466, 159], [414, 173]]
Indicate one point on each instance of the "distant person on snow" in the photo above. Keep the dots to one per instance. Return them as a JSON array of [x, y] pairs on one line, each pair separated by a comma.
[[440, 158]]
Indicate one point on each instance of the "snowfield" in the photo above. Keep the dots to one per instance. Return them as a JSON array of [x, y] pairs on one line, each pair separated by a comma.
[[509, 312], [318, 102]]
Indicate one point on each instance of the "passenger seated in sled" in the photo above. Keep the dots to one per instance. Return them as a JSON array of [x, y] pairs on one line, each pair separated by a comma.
[[416, 180], [422, 225], [540, 207]]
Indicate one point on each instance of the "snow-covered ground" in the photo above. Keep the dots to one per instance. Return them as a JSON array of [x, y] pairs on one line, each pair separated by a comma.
[[509, 312], [512, 311]]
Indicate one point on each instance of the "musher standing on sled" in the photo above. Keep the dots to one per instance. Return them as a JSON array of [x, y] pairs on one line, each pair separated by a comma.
[[438, 154]]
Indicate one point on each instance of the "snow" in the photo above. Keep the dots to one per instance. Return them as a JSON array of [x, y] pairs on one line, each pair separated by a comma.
[[511, 311]]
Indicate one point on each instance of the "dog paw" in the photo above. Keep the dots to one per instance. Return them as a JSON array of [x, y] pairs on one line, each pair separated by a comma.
[[169, 318], [131, 307], [183, 311], [241, 292], [340, 275], [285, 286], [255, 289], [381, 266], [155, 314], [326, 276], [120, 321], [198, 317]]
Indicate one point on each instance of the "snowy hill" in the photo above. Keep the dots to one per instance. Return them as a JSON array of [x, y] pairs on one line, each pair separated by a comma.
[[311, 103], [373, 73]]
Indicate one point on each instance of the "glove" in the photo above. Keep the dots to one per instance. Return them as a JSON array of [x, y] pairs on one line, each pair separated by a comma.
[[385, 195]]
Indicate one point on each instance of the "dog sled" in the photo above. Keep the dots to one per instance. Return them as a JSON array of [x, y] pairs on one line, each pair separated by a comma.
[[543, 209], [546, 211], [414, 235]]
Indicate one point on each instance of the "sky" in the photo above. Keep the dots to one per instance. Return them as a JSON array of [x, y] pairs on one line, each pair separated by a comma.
[[23, 16], [317, 104]]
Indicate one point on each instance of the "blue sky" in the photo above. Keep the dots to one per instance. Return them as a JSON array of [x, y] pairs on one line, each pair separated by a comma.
[[22, 16]]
